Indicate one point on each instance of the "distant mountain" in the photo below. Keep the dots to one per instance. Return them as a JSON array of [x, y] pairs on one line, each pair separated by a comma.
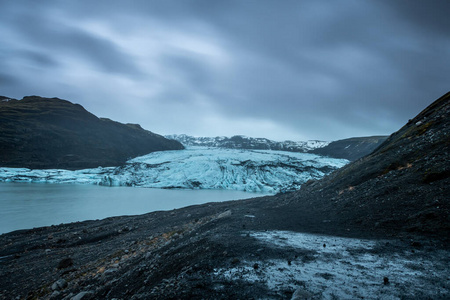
[[44, 133], [350, 149], [243, 142]]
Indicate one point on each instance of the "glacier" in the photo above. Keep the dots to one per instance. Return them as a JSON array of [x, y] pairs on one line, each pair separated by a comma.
[[265, 171]]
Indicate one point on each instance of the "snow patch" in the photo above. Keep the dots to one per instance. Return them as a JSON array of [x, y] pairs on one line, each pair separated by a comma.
[[345, 268]]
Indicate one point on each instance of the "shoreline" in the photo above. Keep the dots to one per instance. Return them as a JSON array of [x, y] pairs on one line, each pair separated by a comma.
[[207, 245]]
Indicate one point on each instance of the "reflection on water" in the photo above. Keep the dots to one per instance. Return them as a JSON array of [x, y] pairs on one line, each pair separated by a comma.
[[28, 205]]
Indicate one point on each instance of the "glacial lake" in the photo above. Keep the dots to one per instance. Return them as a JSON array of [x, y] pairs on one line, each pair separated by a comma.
[[28, 205]]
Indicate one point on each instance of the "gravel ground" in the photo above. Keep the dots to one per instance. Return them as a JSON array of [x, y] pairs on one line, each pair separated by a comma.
[[229, 250]]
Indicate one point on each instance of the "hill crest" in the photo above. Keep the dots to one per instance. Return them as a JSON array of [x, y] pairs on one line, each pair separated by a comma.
[[46, 133]]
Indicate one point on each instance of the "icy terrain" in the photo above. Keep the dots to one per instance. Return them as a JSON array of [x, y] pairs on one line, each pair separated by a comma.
[[197, 168], [328, 267]]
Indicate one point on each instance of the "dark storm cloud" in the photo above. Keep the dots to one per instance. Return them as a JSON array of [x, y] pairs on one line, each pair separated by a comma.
[[190, 71], [37, 58], [431, 16], [40, 30], [279, 69], [6, 80], [359, 61]]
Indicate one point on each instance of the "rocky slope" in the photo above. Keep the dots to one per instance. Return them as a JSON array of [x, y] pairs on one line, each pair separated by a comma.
[[45, 133], [402, 185], [257, 248]]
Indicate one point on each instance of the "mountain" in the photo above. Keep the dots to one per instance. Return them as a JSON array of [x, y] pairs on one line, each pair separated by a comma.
[[352, 148], [402, 186], [243, 142], [377, 228], [42, 133], [197, 168]]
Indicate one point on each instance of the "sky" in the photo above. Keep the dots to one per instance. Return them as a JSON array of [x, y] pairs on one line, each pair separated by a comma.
[[297, 70]]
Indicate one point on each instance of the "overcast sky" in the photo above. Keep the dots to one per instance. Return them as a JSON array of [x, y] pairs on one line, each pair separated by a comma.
[[299, 70]]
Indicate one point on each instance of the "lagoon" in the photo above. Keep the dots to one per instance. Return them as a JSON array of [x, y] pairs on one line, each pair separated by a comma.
[[28, 205]]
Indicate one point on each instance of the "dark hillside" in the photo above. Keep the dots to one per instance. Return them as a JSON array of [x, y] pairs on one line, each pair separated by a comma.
[[402, 186], [46, 133], [352, 148]]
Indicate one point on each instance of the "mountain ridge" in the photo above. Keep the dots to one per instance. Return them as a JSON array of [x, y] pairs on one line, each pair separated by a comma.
[[351, 148], [43, 133], [244, 142]]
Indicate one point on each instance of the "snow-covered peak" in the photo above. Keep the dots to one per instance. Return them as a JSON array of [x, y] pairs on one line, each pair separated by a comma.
[[5, 99], [244, 142]]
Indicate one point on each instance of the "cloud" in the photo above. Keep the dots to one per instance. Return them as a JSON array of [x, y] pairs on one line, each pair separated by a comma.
[[291, 69], [6, 79], [44, 34]]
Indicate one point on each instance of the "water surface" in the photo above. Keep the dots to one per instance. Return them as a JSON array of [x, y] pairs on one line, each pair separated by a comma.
[[28, 205]]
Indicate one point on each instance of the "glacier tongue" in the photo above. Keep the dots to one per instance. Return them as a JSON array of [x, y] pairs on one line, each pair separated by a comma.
[[197, 168]]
